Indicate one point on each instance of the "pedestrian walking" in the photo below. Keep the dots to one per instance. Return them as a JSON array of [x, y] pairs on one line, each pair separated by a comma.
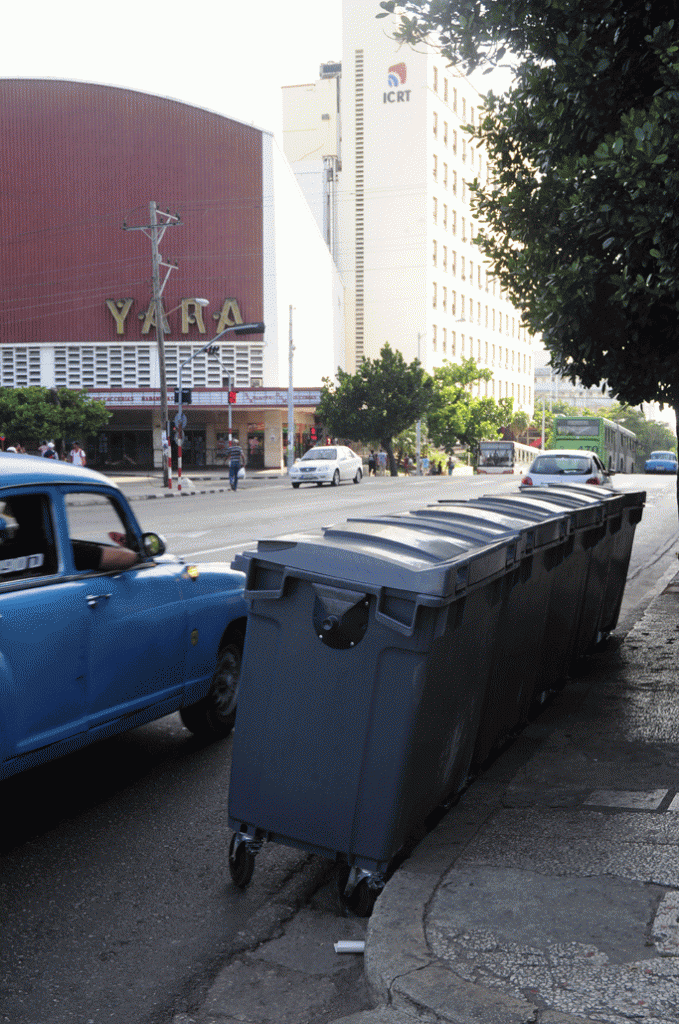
[[372, 464], [450, 465], [77, 455], [406, 466], [236, 459], [50, 451]]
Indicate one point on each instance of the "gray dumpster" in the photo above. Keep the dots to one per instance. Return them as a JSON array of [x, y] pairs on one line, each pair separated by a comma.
[[384, 656], [368, 652], [575, 610]]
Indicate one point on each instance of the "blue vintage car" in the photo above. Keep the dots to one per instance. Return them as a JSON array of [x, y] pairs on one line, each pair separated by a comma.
[[100, 630], [661, 462]]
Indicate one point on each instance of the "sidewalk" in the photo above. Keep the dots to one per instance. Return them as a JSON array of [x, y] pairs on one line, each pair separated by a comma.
[[145, 485], [550, 893]]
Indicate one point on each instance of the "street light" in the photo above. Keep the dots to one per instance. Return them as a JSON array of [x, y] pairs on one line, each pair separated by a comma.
[[254, 328]]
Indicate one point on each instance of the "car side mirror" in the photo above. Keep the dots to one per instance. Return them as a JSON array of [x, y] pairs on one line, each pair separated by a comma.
[[153, 544]]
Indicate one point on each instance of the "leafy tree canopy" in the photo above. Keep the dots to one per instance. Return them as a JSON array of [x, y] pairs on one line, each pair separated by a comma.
[[581, 211], [34, 414], [383, 397], [455, 416]]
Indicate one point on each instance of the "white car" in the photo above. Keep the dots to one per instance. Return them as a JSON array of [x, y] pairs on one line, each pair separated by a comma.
[[562, 466], [327, 464]]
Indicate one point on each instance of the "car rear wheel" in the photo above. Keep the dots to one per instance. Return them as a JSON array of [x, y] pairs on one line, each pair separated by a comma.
[[359, 475], [335, 478], [295, 486], [213, 716]]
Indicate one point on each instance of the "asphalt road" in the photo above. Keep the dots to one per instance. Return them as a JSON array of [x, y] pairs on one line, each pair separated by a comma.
[[116, 899]]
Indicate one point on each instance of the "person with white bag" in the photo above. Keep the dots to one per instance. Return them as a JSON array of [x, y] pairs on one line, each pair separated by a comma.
[[236, 460]]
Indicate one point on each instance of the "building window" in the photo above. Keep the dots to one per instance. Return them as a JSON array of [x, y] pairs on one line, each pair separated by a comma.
[[455, 100], [436, 167], [445, 133], [444, 340], [445, 175], [453, 303], [463, 265], [434, 252], [464, 109], [453, 262], [453, 342], [435, 208], [434, 296], [453, 221], [464, 230], [444, 299], [453, 183], [436, 125], [462, 345], [471, 115], [454, 146], [433, 337], [445, 257], [436, 79], [445, 90], [445, 216], [464, 150]]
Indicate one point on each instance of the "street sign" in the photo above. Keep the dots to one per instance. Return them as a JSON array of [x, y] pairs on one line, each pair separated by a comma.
[[180, 421]]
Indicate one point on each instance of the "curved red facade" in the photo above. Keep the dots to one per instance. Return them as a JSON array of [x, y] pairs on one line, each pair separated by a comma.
[[76, 161]]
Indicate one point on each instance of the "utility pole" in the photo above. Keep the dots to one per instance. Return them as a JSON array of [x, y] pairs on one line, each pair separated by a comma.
[[291, 400], [155, 230]]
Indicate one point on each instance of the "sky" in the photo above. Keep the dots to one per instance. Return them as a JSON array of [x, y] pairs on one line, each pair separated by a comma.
[[229, 57]]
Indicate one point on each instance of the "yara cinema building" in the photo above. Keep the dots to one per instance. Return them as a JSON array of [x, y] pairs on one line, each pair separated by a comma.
[[80, 165]]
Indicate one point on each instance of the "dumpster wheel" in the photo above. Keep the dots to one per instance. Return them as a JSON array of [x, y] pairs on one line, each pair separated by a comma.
[[241, 861], [358, 890]]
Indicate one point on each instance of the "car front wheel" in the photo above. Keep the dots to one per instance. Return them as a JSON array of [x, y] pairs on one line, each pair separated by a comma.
[[359, 475], [295, 486], [213, 716], [335, 478]]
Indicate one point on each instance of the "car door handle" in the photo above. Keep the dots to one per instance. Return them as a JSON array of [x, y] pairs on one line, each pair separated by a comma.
[[94, 599]]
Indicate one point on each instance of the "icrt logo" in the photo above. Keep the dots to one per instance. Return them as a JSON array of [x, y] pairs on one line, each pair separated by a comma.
[[396, 77]]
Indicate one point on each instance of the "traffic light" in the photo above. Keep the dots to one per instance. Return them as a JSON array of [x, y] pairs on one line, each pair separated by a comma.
[[232, 397], [186, 396], [213, 350]]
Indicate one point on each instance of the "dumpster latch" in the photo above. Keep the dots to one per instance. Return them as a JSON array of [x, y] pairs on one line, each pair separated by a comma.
[[340, 616]]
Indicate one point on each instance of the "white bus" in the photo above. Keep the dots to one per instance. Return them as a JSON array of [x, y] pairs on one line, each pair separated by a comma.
[[504, 457]]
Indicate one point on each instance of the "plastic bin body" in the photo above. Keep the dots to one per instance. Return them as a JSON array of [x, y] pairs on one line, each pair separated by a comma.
[[575, 608], [346, 750], [517, 673]]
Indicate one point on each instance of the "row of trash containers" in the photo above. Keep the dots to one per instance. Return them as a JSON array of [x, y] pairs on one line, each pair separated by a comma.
[[387, 656]]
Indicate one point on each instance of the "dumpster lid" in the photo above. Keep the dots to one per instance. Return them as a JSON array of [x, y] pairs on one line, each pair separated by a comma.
[[551, 527], [381, 552]]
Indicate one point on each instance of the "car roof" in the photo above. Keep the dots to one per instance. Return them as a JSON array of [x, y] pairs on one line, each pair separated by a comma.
[[17, 470]]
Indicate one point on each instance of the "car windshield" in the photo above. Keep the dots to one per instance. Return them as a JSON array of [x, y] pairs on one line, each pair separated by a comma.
[[320, 454], [663, 455], [561, 464]]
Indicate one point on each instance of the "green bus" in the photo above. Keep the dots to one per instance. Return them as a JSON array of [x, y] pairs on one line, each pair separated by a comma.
[[615, 445]]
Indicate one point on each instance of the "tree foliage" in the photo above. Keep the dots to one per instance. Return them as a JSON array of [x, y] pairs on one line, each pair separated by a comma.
[[455, 416], [581, 211], [34, 414], [373, 405]]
